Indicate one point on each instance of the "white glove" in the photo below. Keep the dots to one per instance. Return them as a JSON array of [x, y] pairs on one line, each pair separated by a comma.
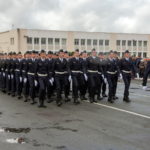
[[85, 76], [25, 80], [35, 82], [120, 76], [105, 80], [20, 79], [9, 77], [103, 77], [69, 78], [51, 81], [4, 74], [12, 76], [137, 74]]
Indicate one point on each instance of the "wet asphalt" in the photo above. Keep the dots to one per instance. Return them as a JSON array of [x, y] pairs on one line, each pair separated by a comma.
[[83, 127]]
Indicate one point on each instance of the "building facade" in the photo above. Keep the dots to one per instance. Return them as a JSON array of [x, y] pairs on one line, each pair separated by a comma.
[[29, 39]]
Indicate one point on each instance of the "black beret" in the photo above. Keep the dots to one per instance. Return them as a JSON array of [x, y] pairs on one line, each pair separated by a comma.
[[61, 50], [19, 52], [77, 50], [100, 53], [50, 52], [127, 51], [93, 49], [66, 52], [42, 51], [84, 51]]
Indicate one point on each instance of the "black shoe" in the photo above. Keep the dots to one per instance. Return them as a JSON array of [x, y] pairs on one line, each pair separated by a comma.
[[32, 103], [26, 100], [13, 95], [126, 99], [99, 98], [59, 104], [19, 97], [95, 101], [42, 106], [50, 101], [67, 99], [8, 93], [91, 100], [104, 95], [115, 98], [110, 100], [76, 101]]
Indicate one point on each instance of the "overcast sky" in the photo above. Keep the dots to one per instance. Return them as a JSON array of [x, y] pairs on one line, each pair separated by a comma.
[[77, 15]]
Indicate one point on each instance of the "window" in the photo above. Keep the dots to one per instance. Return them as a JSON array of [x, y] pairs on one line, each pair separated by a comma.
[[57, 41], [63, 41], [88, 41], [118, 42], [139, 54], [50, 41], [82, 41], [94, 42], [144, 55], [101, 42], [140, 43], [43, 41], [106, 42], [145, 43], [76, 42], [36, 40], [123, 43], [29, 40], [129, 43], [12, 41], [134, 43]]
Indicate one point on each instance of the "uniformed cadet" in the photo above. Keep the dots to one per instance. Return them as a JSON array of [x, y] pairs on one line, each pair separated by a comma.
[[127, 70], [77, 71], [7, 72], [146, 74], [111, 72], [12, 72], [61, 70], [84, 89], [42, 73], [18, 75], [32, 77], [93, 66], [25, 89], [50, 81]]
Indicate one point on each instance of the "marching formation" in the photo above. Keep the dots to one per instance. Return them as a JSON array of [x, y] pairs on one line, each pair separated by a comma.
[[49, 76]]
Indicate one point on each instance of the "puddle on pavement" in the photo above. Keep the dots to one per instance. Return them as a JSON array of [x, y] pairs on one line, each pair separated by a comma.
[[61, 147], [134, 88], [73, 120], [20, 140], [17, 130]]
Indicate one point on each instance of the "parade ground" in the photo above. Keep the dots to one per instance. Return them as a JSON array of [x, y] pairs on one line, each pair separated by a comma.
[[97, 126]]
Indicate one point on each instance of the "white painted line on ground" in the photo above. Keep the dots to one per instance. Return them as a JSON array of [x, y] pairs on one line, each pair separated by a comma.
[[122, 110]]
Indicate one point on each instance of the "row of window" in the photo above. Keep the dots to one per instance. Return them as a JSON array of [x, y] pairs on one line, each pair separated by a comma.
[[90, 42], [130, 43], [50, 41], [84, 42]]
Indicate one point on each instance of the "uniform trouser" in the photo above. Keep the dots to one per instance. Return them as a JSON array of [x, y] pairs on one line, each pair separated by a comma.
[[42, 88], [25, 88], [61, 82], [13, 83], [0, 80], [127, 81], [115, 84], [8, 82], [18, 83], [111, 85], [146, 74], [31, 79], [103, 87], [84, 88], [93, 83], [67, 87], [99, 89], [3, 81], [50, 89], [77, 84]]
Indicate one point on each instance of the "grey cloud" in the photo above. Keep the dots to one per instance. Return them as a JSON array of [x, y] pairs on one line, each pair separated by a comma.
[[83, 15]]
